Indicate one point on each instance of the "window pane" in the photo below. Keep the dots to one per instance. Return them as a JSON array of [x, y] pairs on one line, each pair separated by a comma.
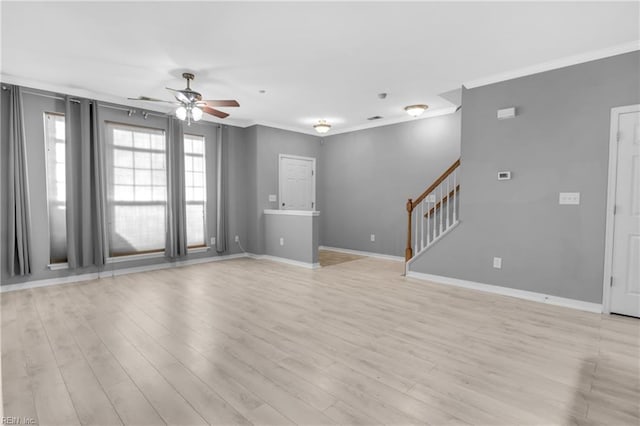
[[122, 158], [142, 160], [138, 183], [54, 138], [194, 161], [198, 179], [122, 137], [198, 165], [122, 176], [157, 142], [136, 229], [159, 178], [143, 177], [123, 192], [195, 225], [142, 140], [157, 161]]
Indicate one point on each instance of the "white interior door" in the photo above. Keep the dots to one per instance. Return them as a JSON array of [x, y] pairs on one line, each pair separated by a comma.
[[625, 284], [297, 183]]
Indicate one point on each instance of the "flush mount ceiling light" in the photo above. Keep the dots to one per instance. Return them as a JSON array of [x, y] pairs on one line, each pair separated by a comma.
[[322, 126], [416, 110]]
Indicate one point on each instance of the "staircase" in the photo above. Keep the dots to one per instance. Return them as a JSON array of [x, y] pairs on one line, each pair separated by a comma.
[[434, 213]]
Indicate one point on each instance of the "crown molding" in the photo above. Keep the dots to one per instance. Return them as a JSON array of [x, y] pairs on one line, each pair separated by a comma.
[[555, 64]]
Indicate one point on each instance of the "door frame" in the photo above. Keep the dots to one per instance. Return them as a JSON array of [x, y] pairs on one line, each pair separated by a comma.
[[313, 178], [611, 202]]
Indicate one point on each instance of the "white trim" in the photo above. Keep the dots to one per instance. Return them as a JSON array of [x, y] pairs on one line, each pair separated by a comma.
[[404, 118], [198, 249], [611, 202], [58, 266], [132, 257], [48, 282], [556, 64], [284, 260], [116, 272], [363, 253], [293, 212], [313, 177], [511, 292]]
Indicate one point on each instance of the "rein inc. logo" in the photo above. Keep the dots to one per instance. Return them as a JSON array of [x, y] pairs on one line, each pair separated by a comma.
[[13, 420]]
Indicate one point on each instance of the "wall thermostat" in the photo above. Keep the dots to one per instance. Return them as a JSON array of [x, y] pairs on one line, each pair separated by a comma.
[[504, 175], [506, 113]]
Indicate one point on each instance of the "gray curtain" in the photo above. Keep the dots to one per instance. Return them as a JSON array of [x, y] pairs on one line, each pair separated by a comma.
[[72, 175], [221, 228], [84, 201], [19, 226], [95, 190], [176, 206]]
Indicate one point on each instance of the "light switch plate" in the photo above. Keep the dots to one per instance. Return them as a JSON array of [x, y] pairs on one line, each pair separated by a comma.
[[569, 198], [272, 198]]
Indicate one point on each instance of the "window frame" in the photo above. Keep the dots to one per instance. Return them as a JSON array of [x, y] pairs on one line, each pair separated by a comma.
[[54, 264], [109, 126], [205, 233]]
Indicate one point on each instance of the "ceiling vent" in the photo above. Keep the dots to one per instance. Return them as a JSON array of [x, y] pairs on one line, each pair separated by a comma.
[[375, 117]]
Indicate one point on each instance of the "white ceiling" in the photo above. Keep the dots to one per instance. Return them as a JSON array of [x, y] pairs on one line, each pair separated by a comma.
[[324, 60]]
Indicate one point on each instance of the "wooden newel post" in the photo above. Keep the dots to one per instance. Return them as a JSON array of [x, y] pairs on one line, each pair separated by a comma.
[[408, 253]]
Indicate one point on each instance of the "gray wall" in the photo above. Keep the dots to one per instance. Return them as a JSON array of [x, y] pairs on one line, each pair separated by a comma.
[[265, 144], [300, 235], [235, 146], [559, 141], [367, 177]]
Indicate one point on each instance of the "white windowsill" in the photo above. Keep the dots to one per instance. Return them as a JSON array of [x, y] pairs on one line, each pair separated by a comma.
[[293, 212], [198, 250], [133, 257], [58, 266]]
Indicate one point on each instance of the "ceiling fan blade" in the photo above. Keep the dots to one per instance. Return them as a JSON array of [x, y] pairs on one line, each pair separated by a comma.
[[222, 103], [179, 95], [214, 112], [148, 99]]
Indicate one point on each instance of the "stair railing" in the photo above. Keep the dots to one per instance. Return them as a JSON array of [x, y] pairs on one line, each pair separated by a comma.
[[433, 213]]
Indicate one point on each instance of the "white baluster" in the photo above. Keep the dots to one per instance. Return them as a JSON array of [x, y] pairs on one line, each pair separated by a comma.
[[415, 212], [422, 225], [448, 192], [455, 195], [441, 201], [427, 220]]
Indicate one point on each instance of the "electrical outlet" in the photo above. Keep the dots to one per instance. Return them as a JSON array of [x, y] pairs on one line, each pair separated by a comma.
[[272, 198], [497, 262], [237, 239], [213, 241], [373, 237], [281, 241]]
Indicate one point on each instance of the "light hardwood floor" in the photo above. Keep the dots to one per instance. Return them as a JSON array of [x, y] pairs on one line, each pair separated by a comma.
[[255, 342]]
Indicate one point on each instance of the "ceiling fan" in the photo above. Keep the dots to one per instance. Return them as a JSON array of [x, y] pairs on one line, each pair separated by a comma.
[[190, 103]]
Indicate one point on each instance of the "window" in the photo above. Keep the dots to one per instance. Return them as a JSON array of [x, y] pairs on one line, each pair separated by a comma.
[[137, 189], [195, 190], [54, 139]]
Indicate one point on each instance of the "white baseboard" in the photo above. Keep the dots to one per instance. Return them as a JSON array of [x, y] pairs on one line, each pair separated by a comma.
[[50, 281], [285, 260], [364, 253], [115, 272], [505, 291]]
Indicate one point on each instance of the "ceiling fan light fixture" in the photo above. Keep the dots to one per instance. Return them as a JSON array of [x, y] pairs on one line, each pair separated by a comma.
[[416, 110], [181, 113], [196, 113], [322, 126]]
